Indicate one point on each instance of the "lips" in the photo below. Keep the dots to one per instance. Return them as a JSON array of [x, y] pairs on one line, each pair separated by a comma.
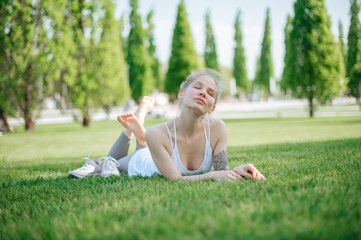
[[200, 100]]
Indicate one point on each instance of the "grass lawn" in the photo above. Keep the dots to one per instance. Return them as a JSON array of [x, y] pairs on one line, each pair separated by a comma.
[[313, 187]]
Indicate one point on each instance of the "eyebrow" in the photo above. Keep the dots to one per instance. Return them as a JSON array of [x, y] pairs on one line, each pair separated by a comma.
[[196, 81]]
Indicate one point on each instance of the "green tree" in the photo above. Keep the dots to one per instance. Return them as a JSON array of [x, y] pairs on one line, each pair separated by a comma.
[[353, 43], [23, 58], [341, 42], [85, 25], [266, 65], [286, 80], [123, 39], [239, 59], [184, 58], [210, 53], [63, 65], [154, 62], [318, 65], [356, 75], [109, 63], [140, 77]]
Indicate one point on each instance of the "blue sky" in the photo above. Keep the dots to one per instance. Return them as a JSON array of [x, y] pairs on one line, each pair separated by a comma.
[[222, 17]]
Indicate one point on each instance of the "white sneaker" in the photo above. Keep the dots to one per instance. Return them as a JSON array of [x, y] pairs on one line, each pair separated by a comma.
[[110, 167], [90, 168]]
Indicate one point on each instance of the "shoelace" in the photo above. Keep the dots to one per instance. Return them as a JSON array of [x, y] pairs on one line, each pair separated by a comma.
[[111, 159], [88, 161]]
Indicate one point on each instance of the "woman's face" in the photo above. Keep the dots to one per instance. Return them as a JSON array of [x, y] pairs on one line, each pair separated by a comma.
[[200, 94]]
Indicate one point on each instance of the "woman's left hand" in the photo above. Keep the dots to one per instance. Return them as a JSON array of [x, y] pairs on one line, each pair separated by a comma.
[[249, 171]]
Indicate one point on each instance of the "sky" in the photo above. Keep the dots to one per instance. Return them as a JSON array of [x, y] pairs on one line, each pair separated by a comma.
[[223, 13]]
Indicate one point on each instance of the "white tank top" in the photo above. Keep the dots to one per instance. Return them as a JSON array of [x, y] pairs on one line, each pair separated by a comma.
[[206, 165]]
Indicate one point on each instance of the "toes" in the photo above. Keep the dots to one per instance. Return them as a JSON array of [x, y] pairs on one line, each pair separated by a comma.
[[148, 99], [119, 118]]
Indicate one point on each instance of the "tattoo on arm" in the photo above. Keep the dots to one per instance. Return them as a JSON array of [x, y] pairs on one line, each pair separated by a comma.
[[220, 161]]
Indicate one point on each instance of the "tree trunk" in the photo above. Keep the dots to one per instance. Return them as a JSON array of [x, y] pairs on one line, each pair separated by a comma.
[[311, 106], [29, 123], [86, 117], [5, 125], [28, 111]]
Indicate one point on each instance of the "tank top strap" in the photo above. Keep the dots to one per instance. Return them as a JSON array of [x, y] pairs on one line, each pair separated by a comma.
[[170, 137], [175, 136], [204, 129], [209, 128]]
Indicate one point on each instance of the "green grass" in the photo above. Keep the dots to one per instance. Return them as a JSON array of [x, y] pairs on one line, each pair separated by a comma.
[[313, 187]]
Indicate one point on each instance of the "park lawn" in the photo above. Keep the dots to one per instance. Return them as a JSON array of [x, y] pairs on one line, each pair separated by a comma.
[[313, 187]]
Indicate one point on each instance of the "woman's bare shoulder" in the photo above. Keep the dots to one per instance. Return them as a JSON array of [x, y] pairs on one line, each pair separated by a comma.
[[217, 124], [157, 135], [155, 129], [157, 132], [218, 131]]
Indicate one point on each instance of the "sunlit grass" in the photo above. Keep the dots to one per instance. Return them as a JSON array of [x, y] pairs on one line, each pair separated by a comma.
[[313, 186]]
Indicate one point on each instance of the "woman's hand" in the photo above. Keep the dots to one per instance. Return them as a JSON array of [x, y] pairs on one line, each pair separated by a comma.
[[249, 171], [225, 175]]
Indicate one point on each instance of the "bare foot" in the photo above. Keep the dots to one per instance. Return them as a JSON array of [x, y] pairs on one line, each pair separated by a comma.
[[133, 124], [146, 105]]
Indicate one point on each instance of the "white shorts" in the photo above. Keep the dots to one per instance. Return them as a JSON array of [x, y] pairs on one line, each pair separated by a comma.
[[142, 164]]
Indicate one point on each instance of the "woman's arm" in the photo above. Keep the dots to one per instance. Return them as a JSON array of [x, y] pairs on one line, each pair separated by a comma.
[[156, 139], [220, 159]]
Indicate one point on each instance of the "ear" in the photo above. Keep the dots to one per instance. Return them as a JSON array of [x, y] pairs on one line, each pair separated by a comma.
[[214, 107], [180, 94]]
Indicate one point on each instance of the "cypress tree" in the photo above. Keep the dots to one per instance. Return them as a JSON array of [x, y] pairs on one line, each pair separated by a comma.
[[356, 75], [140, 79], [239, 60], [266, 65], [258, 67], [123, 39], [286, 80], [341, 42], [256, 75], [318, 65], [154, 62], [184, 58], [353, 43], [210, 53]]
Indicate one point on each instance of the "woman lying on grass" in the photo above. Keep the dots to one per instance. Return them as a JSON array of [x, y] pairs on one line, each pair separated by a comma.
[[187, 148]]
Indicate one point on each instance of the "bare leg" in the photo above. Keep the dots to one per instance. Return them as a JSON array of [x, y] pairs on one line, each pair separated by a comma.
[[134, 125], [146, 105], [121, 146], [131, 123]]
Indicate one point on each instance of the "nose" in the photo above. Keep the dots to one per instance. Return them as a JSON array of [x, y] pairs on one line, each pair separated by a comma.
[[201, 93]]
